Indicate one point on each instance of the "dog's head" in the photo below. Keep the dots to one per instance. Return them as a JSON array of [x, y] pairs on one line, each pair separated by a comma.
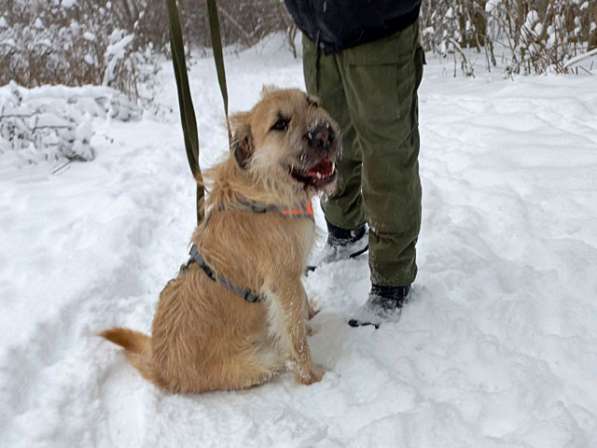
[[287, 138]]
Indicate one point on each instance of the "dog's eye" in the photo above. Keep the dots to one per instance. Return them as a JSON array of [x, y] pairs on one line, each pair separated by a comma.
[[281, 124]]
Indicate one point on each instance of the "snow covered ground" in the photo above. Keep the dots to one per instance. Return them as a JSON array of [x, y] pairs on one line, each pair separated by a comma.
[[498, 347]]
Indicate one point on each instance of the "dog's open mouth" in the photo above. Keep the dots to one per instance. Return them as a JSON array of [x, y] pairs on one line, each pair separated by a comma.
[[318, 175]]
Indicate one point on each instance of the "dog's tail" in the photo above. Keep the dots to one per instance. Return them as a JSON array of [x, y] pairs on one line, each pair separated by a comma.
[[138, 350]]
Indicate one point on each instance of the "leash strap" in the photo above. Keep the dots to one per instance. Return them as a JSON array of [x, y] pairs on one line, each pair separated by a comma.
[[244, 293], [185, 103], [216, 45]]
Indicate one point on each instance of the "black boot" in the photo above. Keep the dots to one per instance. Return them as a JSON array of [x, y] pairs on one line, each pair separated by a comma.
[[384, 305], [341, 244], [344, 243]]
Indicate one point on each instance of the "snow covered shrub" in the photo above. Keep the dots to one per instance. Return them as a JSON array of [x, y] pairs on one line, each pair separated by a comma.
[[541, 35], [243, 22], [115, 42], [448, 27], [248, 21], [54, 122], [532, 36], [72, 42]]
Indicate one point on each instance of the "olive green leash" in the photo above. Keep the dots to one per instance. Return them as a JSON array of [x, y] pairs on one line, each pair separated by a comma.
[[187, 112]]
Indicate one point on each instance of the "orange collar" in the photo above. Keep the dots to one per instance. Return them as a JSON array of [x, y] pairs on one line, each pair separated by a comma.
[[304, 212]]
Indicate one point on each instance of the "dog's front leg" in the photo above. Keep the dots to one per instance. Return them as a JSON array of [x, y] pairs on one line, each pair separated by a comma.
[[287, 321]]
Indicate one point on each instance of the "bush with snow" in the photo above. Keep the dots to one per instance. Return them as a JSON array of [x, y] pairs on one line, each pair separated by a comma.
[[530, 36], [55, 123], [115, 42], [77, 43]]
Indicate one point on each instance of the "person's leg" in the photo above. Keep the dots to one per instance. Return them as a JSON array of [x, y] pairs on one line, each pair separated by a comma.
[[343, 209], [382, 78]]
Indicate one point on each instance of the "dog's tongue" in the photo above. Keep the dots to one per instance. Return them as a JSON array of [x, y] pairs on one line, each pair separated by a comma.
[[323, 168]]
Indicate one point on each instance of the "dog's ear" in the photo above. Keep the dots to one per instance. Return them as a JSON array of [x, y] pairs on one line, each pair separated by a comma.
[[242, 140], [313, 100], [267, 89]]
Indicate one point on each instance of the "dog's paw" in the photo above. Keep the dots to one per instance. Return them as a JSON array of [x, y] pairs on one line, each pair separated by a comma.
[[311, 375]]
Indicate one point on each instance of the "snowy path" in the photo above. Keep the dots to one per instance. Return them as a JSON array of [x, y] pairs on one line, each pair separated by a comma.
[[498, 347]]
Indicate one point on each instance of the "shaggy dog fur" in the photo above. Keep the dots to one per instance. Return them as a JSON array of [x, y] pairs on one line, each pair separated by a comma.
[[204, 337]]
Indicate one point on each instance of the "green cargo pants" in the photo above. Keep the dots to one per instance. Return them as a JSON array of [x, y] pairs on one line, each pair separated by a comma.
[[371, 91]]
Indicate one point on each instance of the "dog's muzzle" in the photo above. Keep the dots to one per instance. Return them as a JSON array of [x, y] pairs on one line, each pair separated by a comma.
[[322, 137]]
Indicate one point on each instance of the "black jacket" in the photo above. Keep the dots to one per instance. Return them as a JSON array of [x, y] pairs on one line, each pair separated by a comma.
[[341, 24]]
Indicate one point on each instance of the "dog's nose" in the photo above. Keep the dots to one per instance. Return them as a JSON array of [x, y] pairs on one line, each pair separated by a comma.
[[321, 137]]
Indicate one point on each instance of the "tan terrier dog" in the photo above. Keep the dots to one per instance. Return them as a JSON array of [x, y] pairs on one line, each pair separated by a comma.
[[235, 315]]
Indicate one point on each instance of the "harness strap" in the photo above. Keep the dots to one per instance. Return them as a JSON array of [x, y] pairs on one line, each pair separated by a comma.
[[244, 293]]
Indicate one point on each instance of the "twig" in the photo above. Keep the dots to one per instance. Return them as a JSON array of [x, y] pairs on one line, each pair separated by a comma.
[[575, 60], [248, 36], [466, 66], [60, 168]]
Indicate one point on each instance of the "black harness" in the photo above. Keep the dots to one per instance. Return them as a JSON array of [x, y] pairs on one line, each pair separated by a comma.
[[245, 293]]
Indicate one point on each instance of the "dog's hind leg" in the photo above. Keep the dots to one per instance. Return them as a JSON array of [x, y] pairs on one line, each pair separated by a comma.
[[245, 370]]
